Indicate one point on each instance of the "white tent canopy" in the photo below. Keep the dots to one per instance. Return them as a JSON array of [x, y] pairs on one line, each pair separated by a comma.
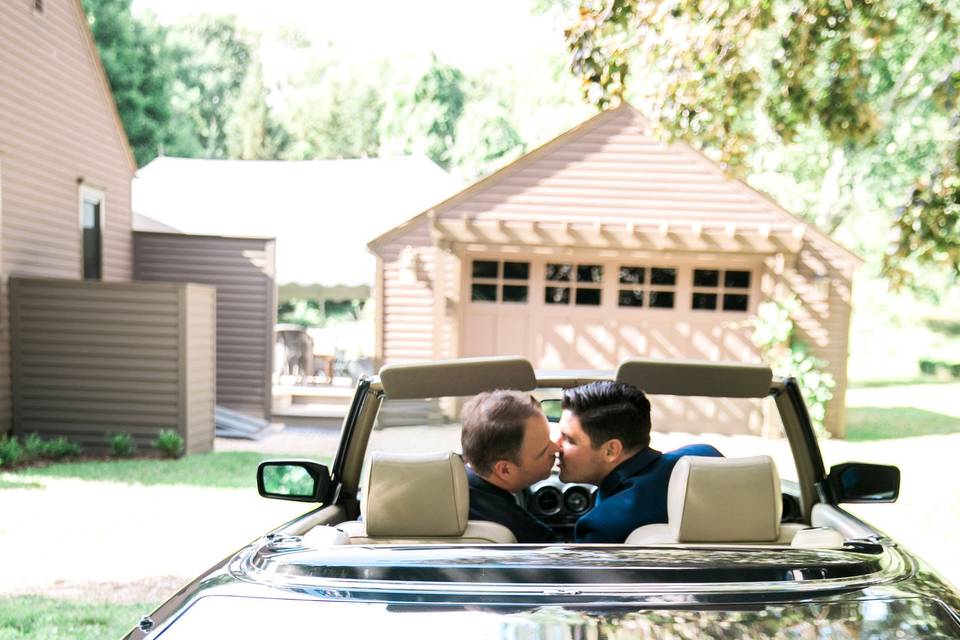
[[321, 212]]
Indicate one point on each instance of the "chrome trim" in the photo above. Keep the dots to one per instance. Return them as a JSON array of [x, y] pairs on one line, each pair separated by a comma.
[[243, 569]]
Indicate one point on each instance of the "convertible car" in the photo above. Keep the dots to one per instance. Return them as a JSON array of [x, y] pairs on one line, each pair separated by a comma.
[[757, 544]]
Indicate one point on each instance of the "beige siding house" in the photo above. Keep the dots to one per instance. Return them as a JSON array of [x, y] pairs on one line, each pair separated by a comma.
[[65, 237], [61, 143], [606, 244]]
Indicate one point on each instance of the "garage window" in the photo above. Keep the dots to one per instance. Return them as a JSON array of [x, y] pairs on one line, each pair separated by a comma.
[[577, 282], [643, 286], [510, 279], [716, 289]]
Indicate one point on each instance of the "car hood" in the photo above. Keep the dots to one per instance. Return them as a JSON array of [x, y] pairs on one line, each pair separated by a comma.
[[225, 617]]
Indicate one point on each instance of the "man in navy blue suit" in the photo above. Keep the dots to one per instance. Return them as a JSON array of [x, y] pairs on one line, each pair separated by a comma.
[[605, 440]]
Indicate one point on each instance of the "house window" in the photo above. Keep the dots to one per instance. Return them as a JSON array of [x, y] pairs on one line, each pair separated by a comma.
[[580, 283], [91, 227], [510, 279], [716, 289], [653, 287]]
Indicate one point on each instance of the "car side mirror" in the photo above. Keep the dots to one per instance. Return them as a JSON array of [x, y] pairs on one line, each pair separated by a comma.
[[552, 408], [863, 482], [300, 480]]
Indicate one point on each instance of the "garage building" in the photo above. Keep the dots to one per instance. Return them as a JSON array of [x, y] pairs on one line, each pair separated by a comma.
[[604, 244]]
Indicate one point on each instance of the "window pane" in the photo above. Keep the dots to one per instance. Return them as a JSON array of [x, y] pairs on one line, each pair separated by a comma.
[[734, 302], [661, 299], [663, 276], [737, 279], [630, 298], [705, 301], [483, 293], [559, 272], [589, 273], [91, 241], [557, 295], [706, 278], [514, 293], [516, 270], [588, 296], [632, 275], [485, 268]]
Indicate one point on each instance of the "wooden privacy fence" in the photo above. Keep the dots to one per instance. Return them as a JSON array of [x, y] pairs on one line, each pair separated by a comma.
[[94, 358]]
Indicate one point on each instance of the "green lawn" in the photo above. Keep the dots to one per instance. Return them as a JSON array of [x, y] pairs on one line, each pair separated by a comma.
[[38, 618], [225, 470], [883, 423]]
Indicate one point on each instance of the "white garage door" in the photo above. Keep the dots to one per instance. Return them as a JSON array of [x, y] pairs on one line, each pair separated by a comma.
[[594, 313]]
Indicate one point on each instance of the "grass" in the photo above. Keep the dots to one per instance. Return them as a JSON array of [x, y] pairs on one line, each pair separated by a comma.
[[6, 483], [884, 423], [222, 470], [899, 382], [39, 618]]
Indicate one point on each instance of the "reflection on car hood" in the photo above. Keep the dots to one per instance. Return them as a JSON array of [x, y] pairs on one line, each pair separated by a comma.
[[217, 616], [525, 573]]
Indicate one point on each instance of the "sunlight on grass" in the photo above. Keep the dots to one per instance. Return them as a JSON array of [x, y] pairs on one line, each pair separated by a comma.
[[224, 470], [884, 423], [8, 483], [24, 617]]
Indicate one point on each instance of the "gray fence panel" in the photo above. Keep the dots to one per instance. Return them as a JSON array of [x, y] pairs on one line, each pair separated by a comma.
[[243, 272]]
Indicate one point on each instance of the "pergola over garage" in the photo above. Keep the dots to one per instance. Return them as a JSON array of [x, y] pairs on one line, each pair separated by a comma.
[[605, 244]]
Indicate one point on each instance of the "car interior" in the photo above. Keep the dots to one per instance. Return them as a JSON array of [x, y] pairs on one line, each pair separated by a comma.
[[421, 497]]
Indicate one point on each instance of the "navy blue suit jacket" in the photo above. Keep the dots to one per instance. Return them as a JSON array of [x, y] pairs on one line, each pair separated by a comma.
[[634, 494]]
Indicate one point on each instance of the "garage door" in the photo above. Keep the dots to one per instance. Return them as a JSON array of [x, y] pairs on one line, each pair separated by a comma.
[[593, 314]]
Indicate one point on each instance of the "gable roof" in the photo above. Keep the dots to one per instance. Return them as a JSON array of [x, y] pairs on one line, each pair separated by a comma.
[[611, 170], [319, 211]]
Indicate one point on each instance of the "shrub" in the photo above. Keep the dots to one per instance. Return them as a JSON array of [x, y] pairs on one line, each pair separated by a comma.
[[774, 333], [169, 443], [121, 445], [33, 446], [59, 448], [10, 451]]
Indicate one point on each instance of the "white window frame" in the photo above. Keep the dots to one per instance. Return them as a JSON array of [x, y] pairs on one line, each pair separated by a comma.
[[90, 194]]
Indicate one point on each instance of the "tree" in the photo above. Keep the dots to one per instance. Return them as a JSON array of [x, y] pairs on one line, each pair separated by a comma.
[[140, 72], [852, 79], [213, 58], [252, 131], [424, 119]]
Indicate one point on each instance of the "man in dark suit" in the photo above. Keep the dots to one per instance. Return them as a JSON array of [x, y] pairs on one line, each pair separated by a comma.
[[507, 447], [605, 440]]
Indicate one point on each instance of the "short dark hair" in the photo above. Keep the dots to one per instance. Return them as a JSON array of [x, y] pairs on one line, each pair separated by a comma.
[[608, 410], [493, 427]]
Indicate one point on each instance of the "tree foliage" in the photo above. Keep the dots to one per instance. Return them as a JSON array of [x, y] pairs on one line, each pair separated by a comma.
[[870, 84], [137, 64]]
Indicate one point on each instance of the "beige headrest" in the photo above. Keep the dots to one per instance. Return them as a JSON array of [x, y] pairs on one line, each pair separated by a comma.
[[415, 494], [724, 500]]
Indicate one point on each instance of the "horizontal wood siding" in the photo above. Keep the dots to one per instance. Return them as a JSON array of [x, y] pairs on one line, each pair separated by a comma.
[[613, 170], [408, 297], [93, 358], [200, 311], [58, 130], [243, 272]]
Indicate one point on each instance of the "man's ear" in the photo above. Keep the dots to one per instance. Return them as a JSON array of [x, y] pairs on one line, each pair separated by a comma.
[[612, 448], [502, 469]]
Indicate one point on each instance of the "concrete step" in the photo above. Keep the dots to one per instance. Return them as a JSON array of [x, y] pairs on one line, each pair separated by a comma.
[[287, 395], [312, 414]]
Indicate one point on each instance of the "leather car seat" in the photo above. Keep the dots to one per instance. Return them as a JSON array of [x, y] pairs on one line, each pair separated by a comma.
[[420, 498], [721, 500]]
